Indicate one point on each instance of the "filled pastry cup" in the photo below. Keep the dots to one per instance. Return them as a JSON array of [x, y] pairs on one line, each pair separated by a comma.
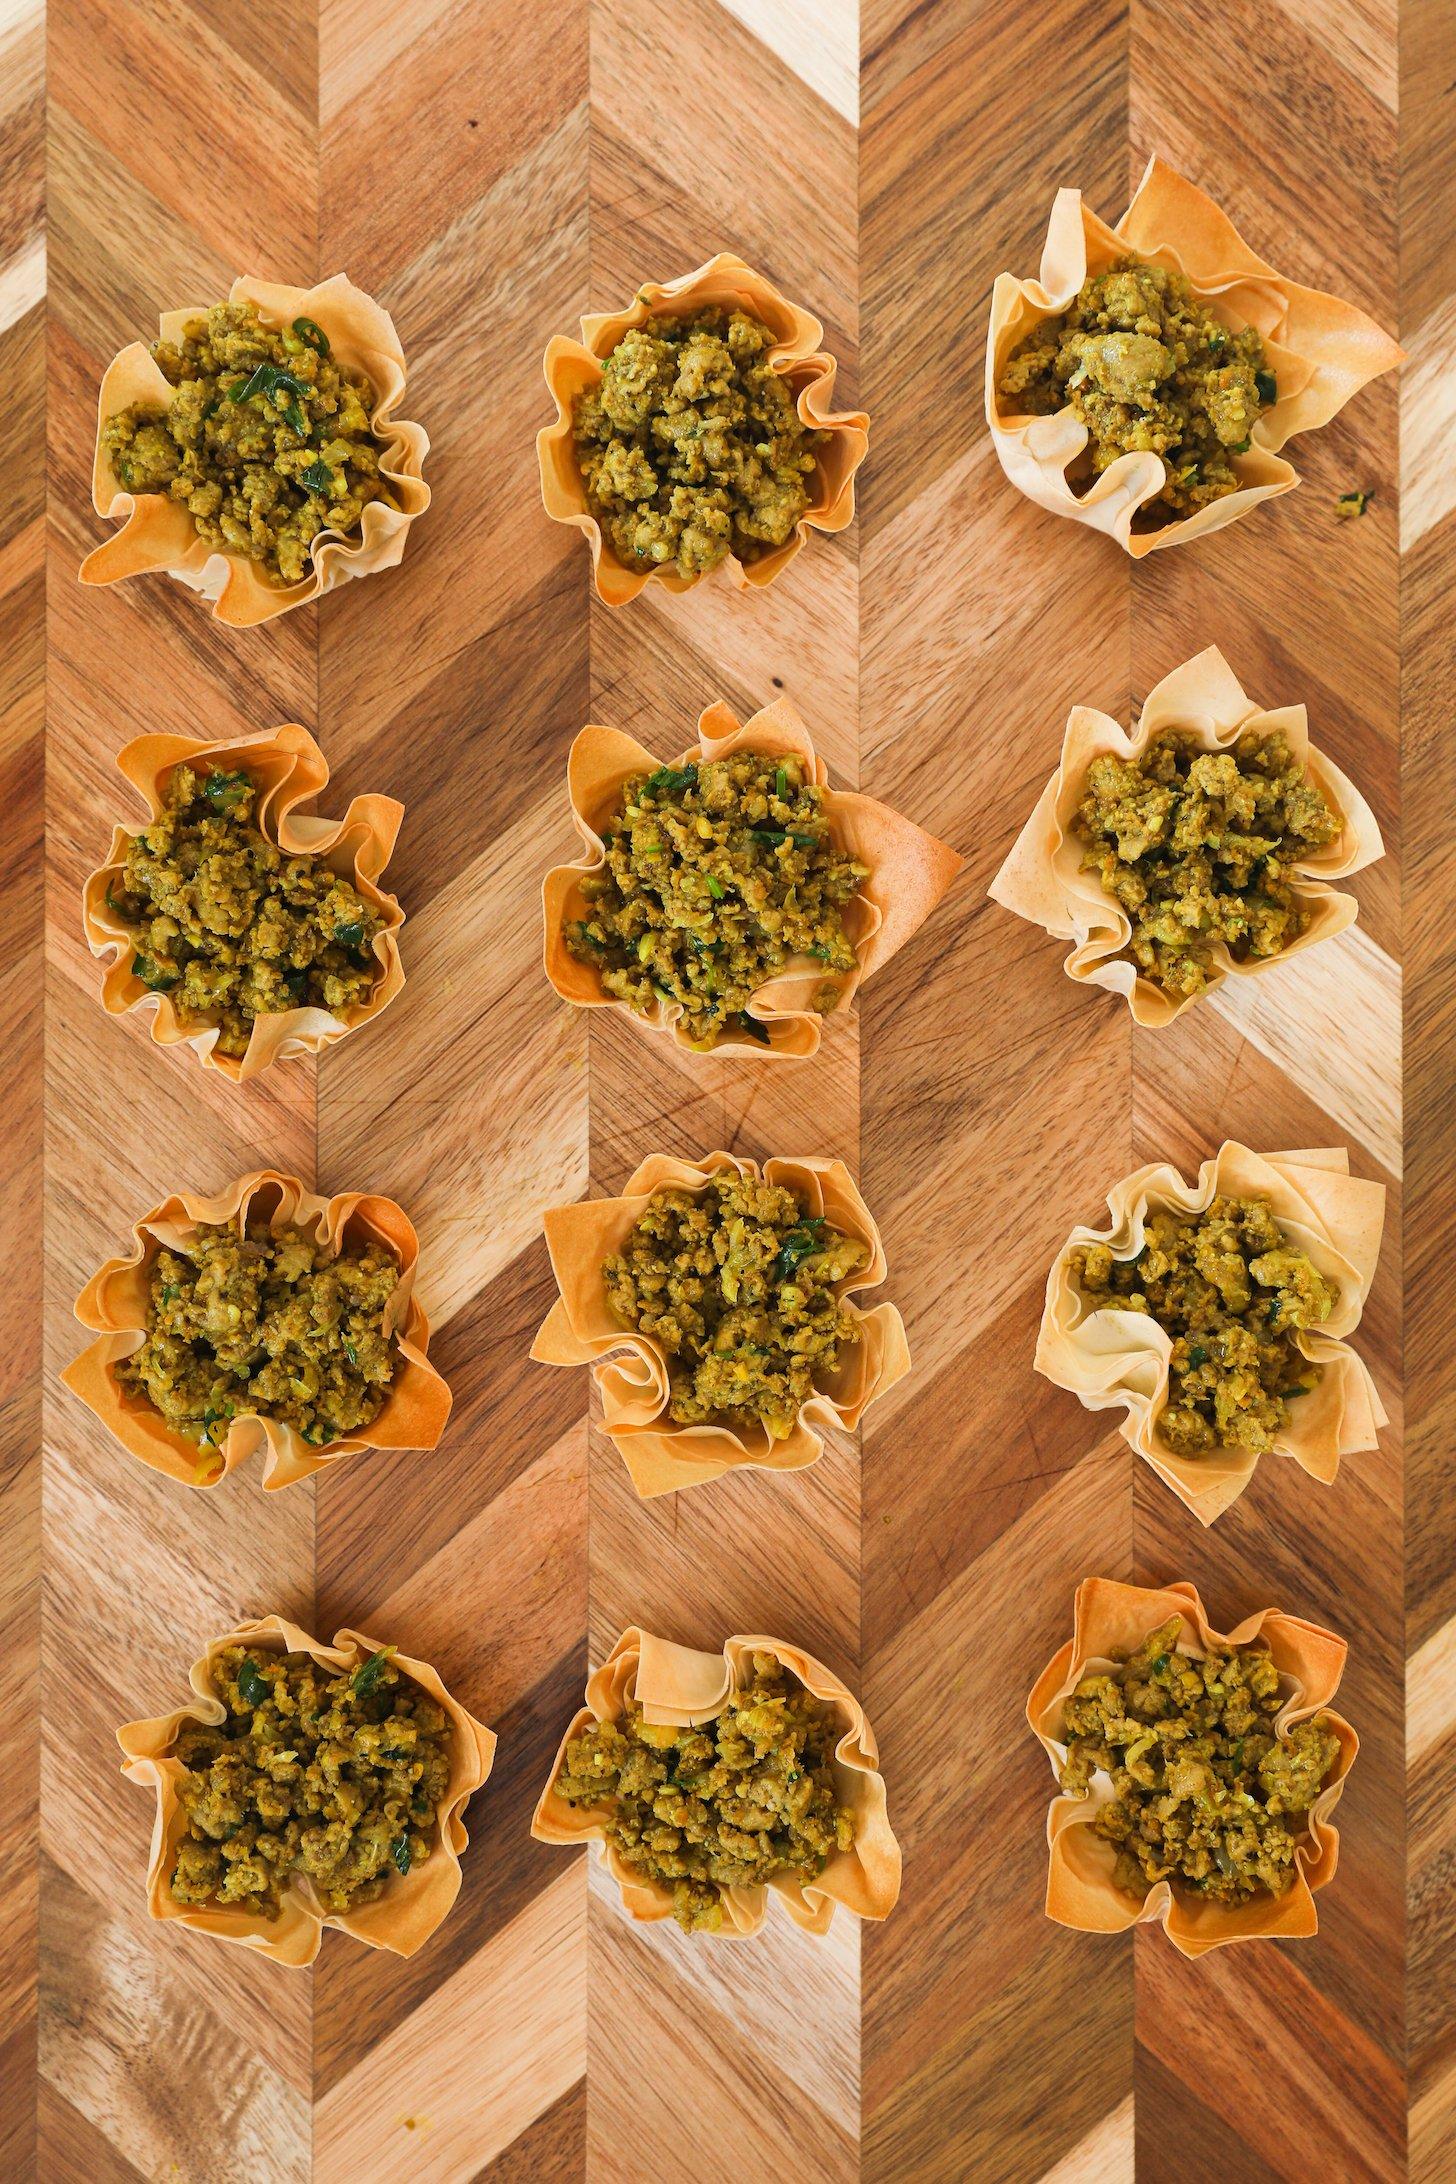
[[115, 1301], [725, 282], [631, 1368], [909, 871], [1042, 878], [159, 535], [680, 1686], [1117, 1359], [289, 770], [412, 1905], [1112, 1620], [1320, 349]]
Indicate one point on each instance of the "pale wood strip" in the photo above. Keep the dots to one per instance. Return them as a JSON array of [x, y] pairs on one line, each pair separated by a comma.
[[1430, 1693], [817, 39], [1107, 2155], [1428, 423], [474, 2065]]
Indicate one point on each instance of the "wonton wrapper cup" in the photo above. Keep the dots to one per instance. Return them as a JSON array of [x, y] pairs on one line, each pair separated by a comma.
[[724, 282], [160, 534], [1320, 350], [581, 1329], [114, 1302], [1042, 879], [909, 871], [288, 768], [677, 1685], [1111, 1358], [1114, 1619], [412, 1905]]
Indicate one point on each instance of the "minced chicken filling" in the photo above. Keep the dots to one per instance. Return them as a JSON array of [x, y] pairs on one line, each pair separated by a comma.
[[1205, 1795], [691, 447], [231, 928], [748, 1796], [1231, 1291], [270, 1323], [1198, 847], [717, 876], [1146, 366], [332, 1775], [737, 1284], [266, 440]]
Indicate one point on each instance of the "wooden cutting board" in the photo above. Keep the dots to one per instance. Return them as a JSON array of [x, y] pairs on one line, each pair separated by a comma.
[[490, 171]]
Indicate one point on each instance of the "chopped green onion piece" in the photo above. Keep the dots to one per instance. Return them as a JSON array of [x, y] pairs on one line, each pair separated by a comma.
[[800, 1244], [267, 379], [365, 1679], [309, 330], [318, 477], [1266, 386], [672, 780], [781, 781], [399, 1851], [1352, 504], [715, 887], [151, 974], [225, 790], [254, 1689]]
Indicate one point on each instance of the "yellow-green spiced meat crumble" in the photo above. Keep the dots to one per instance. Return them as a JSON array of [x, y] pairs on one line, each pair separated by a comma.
[[1199, 848], [691, 447], [1231, 1291], [227, 925], [1204, 1794], [745, 1798], [1147, 367], [266, 441], [336, 1776], [716, 877], [270, 1323], [736, 1283]]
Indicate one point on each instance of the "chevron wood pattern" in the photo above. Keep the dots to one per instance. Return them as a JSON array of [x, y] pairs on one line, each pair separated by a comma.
[[491, 171]]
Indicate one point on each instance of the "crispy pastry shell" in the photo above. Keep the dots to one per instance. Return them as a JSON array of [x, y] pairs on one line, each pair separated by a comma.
[[724, 282], [407, 1913], [158, 533], [631, 1368], [1110, 1358], [289, 769], [1113, 1619], [909, 871], [114, 1302], [1321, 351], [677, 1685], [1042, 879]]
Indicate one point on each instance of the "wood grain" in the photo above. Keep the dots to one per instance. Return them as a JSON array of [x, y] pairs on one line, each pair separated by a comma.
[[490, 173]]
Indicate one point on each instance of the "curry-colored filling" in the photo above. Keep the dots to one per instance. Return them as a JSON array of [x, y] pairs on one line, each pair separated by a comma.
[[690, 447], [748, 1796], [266, 440], [717, 876], [1146, 366], [737, 1284], [227, 925], [271, 1322], [1198, 847], [1231, 1291], [1205, 1795], [335, 1776]]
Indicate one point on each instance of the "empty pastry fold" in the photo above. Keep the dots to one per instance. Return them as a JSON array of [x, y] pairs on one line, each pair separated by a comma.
[[1118, 1359], [115, 1304], [1042, 878], [724, 283], [288, 769], [412, 1904], [631, 1368], [679, 1686], [1112, 1620], [1320, 350], [908, 872], [159, 535]]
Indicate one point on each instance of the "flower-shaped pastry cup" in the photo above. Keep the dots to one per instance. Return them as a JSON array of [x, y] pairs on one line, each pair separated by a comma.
[[1320, 350], [725, 282], [288, 768], [158, 533], [678, 1686], [1114, 1359], [631, 1368], [909, 871], [1112, 1620], [412, 1904], [114, 1302], [1042, 878]]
